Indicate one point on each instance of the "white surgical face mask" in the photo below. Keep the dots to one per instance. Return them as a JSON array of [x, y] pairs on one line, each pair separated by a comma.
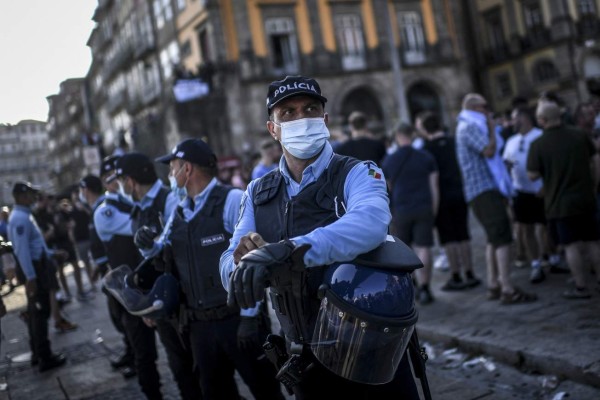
[[123, 193], [82, 198], [180, 192], [304, 138]]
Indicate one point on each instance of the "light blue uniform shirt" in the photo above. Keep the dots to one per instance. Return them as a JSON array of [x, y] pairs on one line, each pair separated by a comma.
[[110, 221], [170, 203], [362, 228], [231, 213], [99, 200], [27, 239]]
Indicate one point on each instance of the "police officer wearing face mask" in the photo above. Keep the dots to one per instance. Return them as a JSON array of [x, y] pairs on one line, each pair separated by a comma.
[[154, 204], [321, 209], [91, 192], [112, 220], [34, 259], [222, 338]]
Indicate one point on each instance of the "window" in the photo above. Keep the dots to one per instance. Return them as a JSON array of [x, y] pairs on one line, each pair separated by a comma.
[[413, 37], [282, 38], [586, 7], [503, 86], [162, 12], [545, 71], [204, 44], [186, 49], [495, 31], [169, 56], [533, 15], [350, 38]]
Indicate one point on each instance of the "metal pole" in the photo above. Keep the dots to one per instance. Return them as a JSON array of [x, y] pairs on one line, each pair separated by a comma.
[[396, 70]]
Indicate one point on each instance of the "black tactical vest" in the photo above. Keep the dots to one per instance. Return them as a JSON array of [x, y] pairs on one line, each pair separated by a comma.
[[120, 249], [152, 216], [197, 247], [277, 217]]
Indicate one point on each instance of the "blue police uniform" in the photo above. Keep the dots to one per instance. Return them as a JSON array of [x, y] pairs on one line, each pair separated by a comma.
[[341, 209], [198, 232], [33, 255], [112, 220], [157, 205]]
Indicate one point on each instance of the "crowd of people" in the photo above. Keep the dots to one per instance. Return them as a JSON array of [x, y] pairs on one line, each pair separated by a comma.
[[531, 178]]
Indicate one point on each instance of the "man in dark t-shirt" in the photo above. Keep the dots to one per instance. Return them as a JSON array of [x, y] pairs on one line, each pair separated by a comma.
[[564, 158], [362, 144], [452, 218], [412, 177]]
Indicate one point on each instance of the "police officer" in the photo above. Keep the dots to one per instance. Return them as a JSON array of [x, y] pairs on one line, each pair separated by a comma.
[[196, 235], [34, 258], [112, 220], [91, 193], [331, 207], [154, 204]]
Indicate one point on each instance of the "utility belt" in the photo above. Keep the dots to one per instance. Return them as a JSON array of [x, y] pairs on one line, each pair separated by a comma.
[[188, 315], [292, 365]]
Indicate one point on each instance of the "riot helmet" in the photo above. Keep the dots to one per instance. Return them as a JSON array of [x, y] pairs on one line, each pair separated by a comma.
[[160, 301], [367, 314]]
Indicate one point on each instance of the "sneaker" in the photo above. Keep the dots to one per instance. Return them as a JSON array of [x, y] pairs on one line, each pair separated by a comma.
[[65, 326], [494, 293], [537, 275], [517, 297], [441, 262], [424, 296], [84, 296], [577, 293], [54, 361], [559, 269], [521, 263], [472, 282], [122, 361], [452, 285]]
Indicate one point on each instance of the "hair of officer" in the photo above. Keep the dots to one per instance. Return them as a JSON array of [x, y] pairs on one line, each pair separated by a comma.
[[472, 100], [431, 122], [148, 178], [549, 112], [357, 120], [404, 129]]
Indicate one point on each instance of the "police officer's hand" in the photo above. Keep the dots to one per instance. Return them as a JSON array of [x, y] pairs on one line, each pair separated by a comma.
[[144, 237], [150, 323], [249, 334], [248, 281], [31, 287], [248, 242], [60, 255]]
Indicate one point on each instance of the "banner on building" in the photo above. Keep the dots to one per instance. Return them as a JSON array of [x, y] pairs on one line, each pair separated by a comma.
[[91, 156], [189, 89]]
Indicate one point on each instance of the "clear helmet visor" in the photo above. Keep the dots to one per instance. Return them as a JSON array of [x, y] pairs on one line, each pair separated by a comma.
[[357, 349], [156, 303]]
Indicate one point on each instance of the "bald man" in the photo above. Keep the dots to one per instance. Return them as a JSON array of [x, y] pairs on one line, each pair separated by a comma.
[[564, 157]]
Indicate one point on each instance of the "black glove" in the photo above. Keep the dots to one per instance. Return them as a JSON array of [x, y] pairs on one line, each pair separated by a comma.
[[144, 237], [248, 334], [248, 281]]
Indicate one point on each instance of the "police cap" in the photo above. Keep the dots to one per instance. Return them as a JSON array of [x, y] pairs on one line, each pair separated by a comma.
[[195, 151], [292, 86]]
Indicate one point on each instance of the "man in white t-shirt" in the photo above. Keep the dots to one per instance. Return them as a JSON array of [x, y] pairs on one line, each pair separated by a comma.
[[528, 204]]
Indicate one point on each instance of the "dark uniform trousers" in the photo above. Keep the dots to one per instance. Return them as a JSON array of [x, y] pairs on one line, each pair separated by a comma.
[[180, 360], [38, 308], [115, 310], [217, 355]]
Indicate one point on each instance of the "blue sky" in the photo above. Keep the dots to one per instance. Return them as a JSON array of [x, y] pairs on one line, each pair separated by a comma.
[[42, 43]]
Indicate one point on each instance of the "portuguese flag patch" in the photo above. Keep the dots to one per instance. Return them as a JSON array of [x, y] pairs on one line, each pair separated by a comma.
[[374, 173]]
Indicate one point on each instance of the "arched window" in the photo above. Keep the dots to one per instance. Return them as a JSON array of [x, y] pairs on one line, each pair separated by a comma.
[[544, 71]]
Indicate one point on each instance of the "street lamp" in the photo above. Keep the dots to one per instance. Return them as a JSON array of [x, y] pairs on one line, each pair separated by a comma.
[[396, 70]]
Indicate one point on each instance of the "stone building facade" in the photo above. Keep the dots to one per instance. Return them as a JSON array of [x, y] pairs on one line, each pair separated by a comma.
[[23, 156]]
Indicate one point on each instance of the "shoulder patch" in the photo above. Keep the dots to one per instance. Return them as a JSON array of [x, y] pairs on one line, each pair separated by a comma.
[[20, 230]]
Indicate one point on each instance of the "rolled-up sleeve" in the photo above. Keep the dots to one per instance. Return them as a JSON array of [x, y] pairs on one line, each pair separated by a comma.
[[363, 227]]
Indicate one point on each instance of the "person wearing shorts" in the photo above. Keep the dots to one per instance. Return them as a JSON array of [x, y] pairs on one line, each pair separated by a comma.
[[412, 177]]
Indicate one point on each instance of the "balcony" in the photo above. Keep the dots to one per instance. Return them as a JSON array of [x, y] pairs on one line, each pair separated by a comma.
[[150, 93], [120, 60], [492, 55], [588, 27], [115, 101], [142, 46], [536, 37]]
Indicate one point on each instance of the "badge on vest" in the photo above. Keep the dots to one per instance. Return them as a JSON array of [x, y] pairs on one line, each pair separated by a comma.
[[210, 240]]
